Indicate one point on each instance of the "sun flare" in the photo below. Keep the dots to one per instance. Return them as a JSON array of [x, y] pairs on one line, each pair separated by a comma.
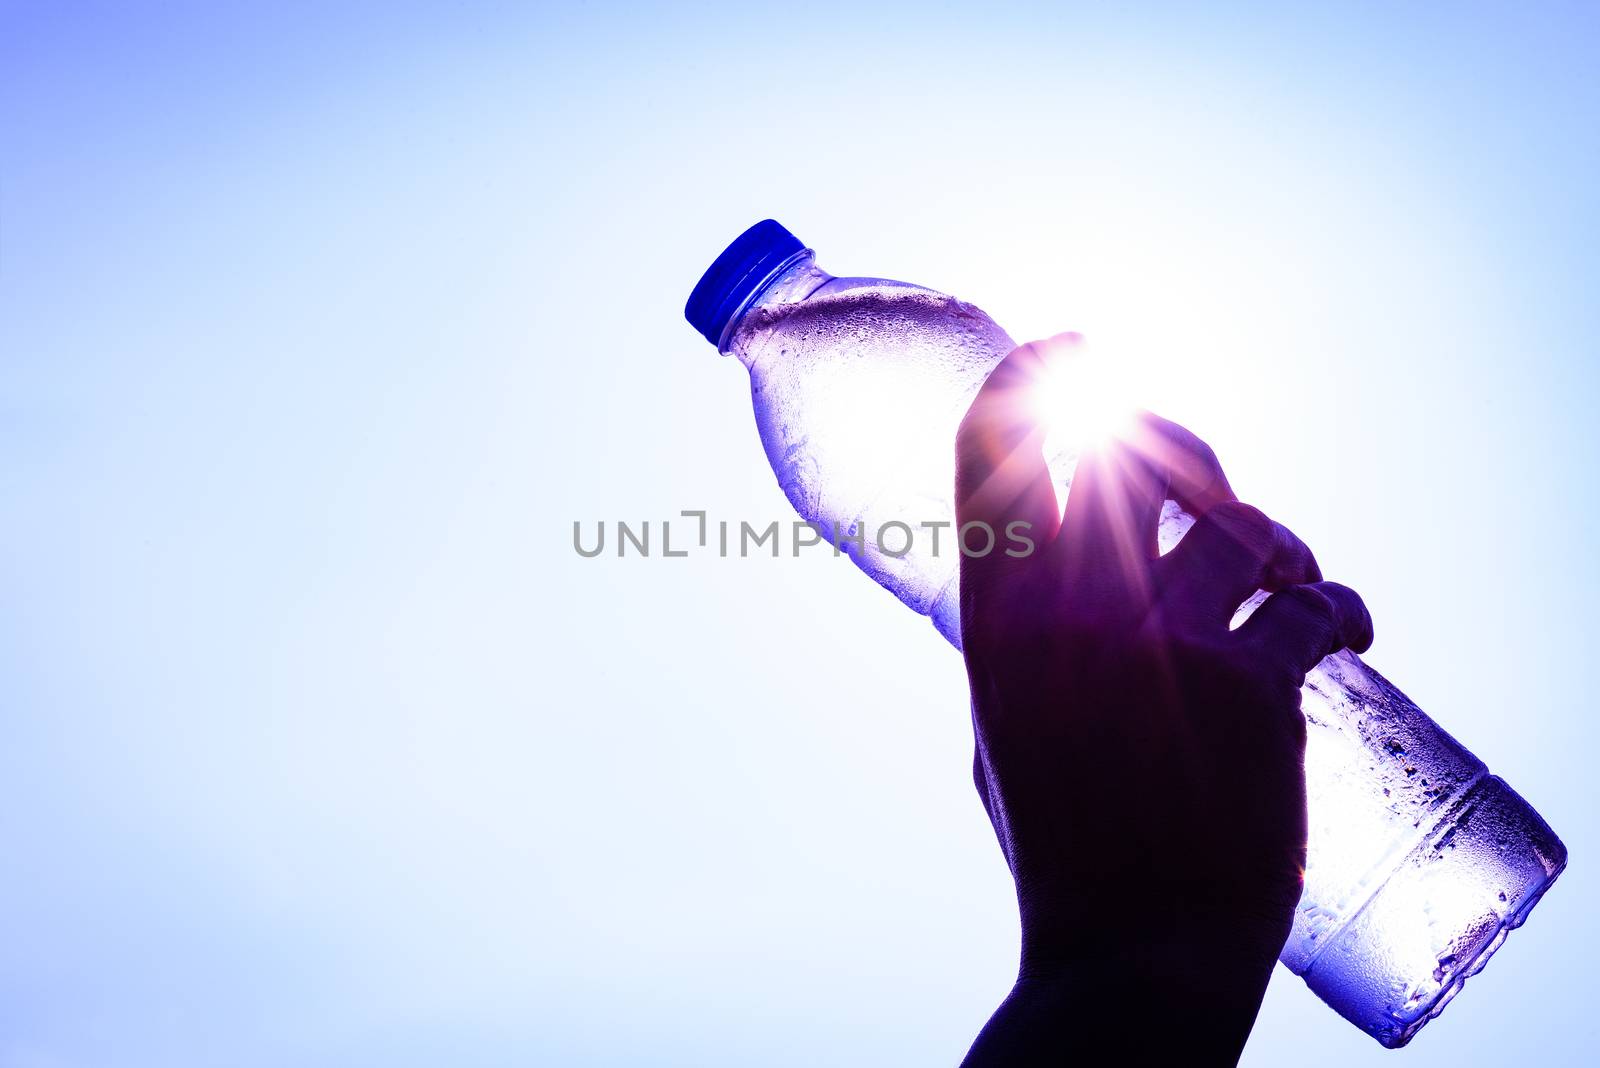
[[1082, 398]]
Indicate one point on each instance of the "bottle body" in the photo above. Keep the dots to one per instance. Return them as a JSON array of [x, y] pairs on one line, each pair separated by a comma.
[[1420, 861], [888, 369]]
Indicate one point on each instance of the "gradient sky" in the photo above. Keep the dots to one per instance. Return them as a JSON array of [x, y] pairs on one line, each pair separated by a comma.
[[320, 325]]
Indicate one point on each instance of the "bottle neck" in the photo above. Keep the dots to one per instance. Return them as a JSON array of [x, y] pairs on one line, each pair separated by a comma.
[[792, 281]]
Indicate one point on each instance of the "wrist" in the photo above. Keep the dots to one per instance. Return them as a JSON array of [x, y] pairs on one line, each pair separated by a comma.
[[1169, 930], [1205, 966], [1221, 972]]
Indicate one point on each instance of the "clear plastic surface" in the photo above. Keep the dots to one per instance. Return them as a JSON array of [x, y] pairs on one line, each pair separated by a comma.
[[1420, 861]]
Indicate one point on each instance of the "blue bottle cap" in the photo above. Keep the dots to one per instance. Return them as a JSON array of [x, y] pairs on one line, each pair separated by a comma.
[[741, 270]]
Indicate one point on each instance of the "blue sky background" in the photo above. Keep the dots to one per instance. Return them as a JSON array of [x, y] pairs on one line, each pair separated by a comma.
[[320, 324]]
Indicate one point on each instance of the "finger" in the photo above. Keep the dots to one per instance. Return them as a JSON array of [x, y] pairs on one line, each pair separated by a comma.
[[1300, 625], [1229, 553], [1113, 511], [1195, 478], [1001, 475], [1108, 531]]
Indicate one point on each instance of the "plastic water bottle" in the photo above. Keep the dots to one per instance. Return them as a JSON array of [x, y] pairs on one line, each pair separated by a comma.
[[1420, 861]]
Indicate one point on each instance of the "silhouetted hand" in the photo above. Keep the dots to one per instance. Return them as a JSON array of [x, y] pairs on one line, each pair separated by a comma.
[[1142, 764]]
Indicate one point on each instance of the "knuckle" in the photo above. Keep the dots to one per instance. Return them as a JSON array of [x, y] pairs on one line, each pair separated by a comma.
[[1020, 367], [1345, 593], [1028, 350], [1246, 525], [1357, 617], [1309, 602], [1237, 515], [1199, 458]]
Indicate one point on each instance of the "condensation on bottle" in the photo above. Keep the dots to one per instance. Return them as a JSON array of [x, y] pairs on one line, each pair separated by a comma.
[[1420, 861]]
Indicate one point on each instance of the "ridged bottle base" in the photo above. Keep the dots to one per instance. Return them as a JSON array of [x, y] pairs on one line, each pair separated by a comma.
[[1441, 914]]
